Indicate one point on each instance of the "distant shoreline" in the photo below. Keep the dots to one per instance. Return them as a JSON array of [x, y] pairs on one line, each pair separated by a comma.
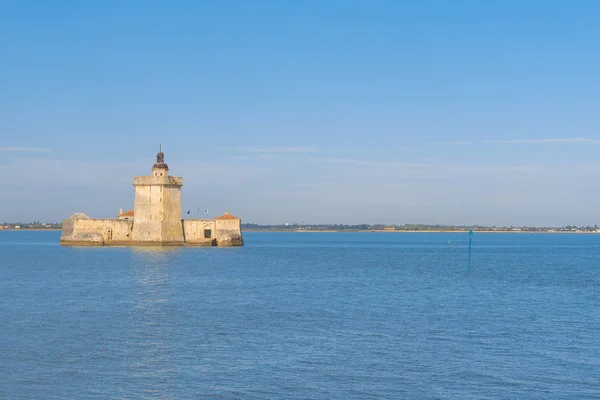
[[31, 229], [408, 231], [351, 231]]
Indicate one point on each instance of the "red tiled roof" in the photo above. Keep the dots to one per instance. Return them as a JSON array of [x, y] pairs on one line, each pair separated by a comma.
[[128, 213], [227, 216]]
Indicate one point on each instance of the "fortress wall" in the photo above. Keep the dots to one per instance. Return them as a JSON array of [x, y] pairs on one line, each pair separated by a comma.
[[172, 230], [194, 231], [229, 232], [116, 232], [96, 232], [146, 217]]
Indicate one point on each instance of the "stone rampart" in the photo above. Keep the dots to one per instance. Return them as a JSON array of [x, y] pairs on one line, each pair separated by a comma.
[[84, 231], [199, 232], [228, 232], [81, 230]]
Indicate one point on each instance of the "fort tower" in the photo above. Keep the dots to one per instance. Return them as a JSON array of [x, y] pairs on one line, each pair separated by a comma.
[[157, 206]]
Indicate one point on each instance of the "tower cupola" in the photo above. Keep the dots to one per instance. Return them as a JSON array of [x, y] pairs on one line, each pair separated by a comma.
[[160, 161]]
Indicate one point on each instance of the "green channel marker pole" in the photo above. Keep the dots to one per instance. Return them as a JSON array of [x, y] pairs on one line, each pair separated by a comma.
[[470, 236]]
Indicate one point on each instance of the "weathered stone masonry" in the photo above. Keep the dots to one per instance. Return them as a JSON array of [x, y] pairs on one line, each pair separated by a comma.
[[156, 219]]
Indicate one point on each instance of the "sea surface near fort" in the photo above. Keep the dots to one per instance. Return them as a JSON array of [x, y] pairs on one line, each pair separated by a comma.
[[303, 316]]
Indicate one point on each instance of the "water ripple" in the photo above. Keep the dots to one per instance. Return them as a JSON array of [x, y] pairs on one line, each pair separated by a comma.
[[303, 316]]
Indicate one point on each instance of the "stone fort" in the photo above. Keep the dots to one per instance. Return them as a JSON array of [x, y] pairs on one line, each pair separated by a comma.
[[154, 221]]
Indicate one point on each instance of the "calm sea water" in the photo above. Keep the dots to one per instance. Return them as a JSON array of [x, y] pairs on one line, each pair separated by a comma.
[[303, 316]]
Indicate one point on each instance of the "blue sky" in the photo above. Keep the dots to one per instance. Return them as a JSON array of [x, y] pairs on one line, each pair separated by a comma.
[[316, 111]]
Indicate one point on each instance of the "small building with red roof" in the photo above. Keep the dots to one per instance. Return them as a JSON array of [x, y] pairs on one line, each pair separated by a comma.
[[125, 215]]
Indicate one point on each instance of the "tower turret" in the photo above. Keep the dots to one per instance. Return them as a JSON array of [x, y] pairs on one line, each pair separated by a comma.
[[160, 168]]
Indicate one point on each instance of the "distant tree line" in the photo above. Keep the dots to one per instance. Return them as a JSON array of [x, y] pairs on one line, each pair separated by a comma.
[[353, 227], [411, 227], [31, 225]]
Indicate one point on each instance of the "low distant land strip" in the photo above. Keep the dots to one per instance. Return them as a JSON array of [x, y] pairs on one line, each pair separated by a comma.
[[354, 228], [30, 226], [414, 228]]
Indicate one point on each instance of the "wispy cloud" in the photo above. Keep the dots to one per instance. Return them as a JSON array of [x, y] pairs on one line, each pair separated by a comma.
[[271, 149], [544, 141], [453, 143], [520, 141], [354, 161], [22, 149]]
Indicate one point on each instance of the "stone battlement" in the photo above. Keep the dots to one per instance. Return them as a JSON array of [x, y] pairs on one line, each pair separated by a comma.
[[157, 180]]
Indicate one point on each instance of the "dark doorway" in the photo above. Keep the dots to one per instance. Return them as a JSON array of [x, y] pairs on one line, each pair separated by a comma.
[[207, 234]]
